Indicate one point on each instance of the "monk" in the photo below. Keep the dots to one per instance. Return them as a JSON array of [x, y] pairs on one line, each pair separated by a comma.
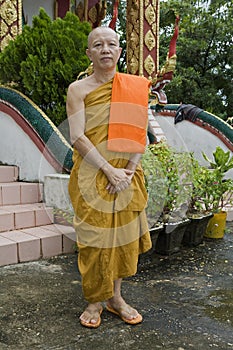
[[106, 184]]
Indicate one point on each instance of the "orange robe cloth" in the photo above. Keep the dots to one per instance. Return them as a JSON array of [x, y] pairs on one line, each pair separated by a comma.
[[128, 120], [111, 229]]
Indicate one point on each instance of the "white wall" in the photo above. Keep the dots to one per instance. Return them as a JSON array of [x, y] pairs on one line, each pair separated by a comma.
[[186, 136], [31, 8], [16, 148]]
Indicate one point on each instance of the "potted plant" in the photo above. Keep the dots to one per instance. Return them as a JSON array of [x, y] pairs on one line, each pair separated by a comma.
[[197, 212], [209, 189], [168, 176], [214, 198], [156, 186]]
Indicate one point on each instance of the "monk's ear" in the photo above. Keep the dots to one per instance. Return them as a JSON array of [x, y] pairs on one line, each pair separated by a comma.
[[120, 50], [88, 53]]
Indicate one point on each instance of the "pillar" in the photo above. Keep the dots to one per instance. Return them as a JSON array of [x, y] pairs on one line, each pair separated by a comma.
[[10, 21], [142, 35]]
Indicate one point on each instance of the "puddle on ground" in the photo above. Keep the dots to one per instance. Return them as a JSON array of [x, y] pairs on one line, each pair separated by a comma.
[[220, 305]]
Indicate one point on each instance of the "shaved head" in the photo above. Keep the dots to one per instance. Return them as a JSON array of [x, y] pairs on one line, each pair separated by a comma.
[[100, 30]]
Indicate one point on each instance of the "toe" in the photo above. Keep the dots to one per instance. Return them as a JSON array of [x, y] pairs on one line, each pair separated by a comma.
[[130, 313], [91, 315]]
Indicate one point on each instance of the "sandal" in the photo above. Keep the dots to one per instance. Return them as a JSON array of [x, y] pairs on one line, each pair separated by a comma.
[[132, 321], [90, 324]]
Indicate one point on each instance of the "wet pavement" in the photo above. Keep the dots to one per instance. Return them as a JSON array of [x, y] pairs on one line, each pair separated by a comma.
[[186, 300]]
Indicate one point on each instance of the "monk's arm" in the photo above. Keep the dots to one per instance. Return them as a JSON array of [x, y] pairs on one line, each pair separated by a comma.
[[151, 133], [133, 161], [76, 117]]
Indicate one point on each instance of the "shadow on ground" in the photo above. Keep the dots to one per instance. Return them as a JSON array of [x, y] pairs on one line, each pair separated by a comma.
[[186, 300]]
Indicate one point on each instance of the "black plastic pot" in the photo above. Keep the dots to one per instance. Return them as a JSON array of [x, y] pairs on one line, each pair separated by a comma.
[[170, 238], [154, 233], [194, 233]]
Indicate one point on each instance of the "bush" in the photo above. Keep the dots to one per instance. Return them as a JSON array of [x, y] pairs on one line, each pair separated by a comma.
[[45, 59], [168, 176]]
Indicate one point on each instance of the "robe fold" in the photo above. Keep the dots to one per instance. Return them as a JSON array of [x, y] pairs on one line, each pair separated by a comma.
[[111, 229]]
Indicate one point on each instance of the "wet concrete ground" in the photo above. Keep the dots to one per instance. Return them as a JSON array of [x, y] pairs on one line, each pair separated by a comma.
[[186, 300]]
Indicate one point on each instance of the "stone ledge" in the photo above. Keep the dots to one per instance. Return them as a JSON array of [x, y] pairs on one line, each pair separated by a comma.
[[56, 191]]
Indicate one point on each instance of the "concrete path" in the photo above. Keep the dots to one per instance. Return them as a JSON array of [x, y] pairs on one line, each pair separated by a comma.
[[186, 300]]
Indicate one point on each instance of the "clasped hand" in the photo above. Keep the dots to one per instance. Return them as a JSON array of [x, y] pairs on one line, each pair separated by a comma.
[[119, 180]]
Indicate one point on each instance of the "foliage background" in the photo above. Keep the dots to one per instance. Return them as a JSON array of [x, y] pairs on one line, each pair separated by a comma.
[[204, 74], [45, 59], [48, 56]]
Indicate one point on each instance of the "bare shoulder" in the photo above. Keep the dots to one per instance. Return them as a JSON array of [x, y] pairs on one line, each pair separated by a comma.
[[79, 89], [75, 89]]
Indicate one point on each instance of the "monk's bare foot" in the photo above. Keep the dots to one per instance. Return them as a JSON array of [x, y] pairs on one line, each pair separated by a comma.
[[122, 309], [91, 316]]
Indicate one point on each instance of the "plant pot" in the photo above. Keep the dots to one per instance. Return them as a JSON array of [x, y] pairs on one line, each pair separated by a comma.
[[216, 225], [195, 230], [170, 238], [154, 234]]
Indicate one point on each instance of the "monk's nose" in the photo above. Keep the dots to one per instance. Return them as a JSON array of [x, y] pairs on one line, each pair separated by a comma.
[[105, 48]]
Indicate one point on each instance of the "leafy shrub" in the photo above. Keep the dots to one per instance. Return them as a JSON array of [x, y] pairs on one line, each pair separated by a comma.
[[45, 59], [168, 176]]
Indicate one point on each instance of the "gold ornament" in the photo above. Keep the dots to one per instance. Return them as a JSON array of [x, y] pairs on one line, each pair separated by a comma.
[[11, 21], [169, 65], [150, 40], [93, 14], [154, 28], [5, 41], [80, 10], [149, 65], [3, 29], [8, 12], [150, 15], [134, 40], [133, 65]]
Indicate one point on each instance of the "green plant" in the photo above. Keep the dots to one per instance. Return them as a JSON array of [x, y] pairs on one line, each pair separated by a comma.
[[156, 185], [45, 59], [168, 181], [210, 185]]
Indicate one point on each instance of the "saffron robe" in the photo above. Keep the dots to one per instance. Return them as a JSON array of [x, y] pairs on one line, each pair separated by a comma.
[[111, 229], [127, 131]]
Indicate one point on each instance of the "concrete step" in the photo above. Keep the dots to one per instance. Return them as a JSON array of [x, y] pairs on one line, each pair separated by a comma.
[[35, 243], [16, 217], [9, 173], [155, 125], [27, 228], [20, 193]]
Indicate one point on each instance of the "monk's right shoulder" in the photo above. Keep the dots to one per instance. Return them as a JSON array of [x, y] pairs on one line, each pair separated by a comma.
[[79, 88], [75, 88]]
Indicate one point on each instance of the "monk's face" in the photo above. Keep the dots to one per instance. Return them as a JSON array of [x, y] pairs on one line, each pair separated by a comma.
[[103, 48]]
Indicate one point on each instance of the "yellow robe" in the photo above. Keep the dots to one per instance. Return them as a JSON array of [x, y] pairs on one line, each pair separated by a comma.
[[111, 229]]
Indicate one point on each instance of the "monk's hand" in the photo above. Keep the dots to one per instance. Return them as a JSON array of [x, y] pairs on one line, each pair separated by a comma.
[[119, 176], [120, 180], [120, 186]]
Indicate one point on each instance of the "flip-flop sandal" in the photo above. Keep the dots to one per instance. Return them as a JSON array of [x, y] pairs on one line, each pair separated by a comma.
[[92, 325], [133, 321]]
